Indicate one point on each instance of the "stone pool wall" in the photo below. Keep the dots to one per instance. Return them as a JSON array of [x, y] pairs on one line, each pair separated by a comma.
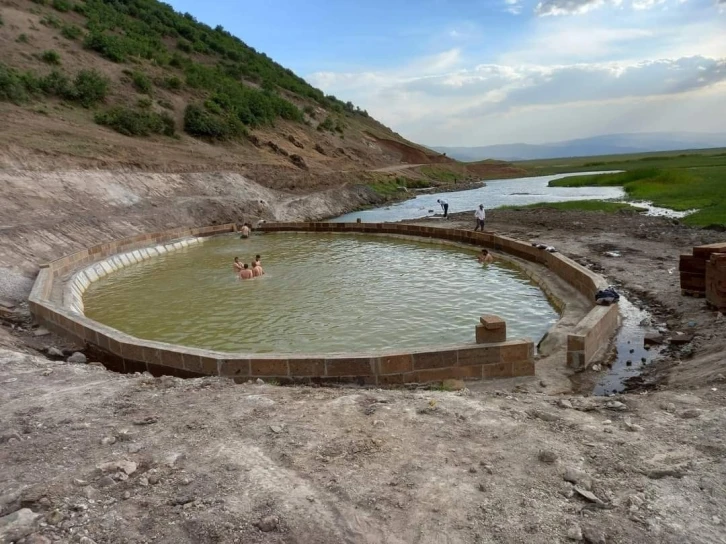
[[54, 293]]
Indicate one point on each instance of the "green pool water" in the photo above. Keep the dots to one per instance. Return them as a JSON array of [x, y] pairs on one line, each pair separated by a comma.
[[321, 294]]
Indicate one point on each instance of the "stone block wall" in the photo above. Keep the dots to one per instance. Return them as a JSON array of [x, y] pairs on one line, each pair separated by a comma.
[[692, 268], [716, 281], [591, 335]]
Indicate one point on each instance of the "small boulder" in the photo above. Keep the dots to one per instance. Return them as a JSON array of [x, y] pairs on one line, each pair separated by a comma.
[[54, 352], [128, 467], [681, 339], [616, 405], [574, 533], [548, 457], [577, 477], [593, 535], [653, 339], [54, 518], [17, 525], [77, 358], [35, 538], [544, 416], [267, 524], [691, 414]]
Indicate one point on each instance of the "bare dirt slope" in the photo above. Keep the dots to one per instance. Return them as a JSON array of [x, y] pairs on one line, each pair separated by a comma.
[[122, 459]]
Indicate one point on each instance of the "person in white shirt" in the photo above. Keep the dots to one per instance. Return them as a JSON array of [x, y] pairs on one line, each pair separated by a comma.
[[480, 216], [445, 207]]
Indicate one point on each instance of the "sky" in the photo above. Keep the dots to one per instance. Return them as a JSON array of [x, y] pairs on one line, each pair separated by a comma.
[[470, 73]]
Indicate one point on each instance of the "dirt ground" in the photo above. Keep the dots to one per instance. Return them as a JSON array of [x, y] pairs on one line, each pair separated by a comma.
[[87, 455]]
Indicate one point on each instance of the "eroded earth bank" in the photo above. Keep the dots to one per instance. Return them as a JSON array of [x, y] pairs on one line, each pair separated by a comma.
[[87, 455]]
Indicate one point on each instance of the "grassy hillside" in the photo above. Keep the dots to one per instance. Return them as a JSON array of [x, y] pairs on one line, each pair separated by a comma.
[[134, 83], [233, 86]]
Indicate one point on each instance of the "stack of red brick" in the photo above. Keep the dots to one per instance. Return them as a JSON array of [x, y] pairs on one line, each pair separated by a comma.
[[704, 273], [716, 281]]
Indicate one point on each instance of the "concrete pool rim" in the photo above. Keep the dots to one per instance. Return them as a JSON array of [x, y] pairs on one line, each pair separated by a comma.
[[59, 286]]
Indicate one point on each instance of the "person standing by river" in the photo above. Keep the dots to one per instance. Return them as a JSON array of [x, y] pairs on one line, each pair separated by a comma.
[[479, 215], [445, 207]]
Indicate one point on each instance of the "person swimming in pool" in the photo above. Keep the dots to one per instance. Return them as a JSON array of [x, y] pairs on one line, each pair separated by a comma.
[[237, 265], [244, 231], [246, 273], [485, 257], [256, 262]]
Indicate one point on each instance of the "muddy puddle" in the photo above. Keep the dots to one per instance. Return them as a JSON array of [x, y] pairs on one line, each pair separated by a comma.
[[631, 355]]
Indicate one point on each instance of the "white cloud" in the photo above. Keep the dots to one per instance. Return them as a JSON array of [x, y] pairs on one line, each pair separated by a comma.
[[513, 6], [567, 7], [564, 43], [440, 106], [579, 7]]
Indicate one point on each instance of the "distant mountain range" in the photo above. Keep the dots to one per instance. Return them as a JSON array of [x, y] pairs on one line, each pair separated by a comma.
[[607, 144]]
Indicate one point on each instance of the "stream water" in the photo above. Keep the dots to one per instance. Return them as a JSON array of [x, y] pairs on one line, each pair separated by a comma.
[[496, 193], [320, 294]]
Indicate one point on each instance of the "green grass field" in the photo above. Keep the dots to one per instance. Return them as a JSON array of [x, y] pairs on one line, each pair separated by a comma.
[[682, 180], [669, 159], [579, 205]]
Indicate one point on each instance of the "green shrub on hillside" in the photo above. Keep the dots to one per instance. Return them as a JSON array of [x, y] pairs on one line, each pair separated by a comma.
[[87, 88], [144, 103], [12, 86], [71, 32], [61, 5], [51, 21], [142, 82], [109, 47], [51, 57], [327, 124], [136, 123], [56, 84], [184, 45], [172, 83], [204, 124], [23, 38], [90, 88]]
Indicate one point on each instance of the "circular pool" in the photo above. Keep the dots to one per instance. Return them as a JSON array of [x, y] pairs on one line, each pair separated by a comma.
[[321, 293]]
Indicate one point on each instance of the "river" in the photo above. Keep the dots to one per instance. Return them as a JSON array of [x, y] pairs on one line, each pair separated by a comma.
[[496, 193]]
